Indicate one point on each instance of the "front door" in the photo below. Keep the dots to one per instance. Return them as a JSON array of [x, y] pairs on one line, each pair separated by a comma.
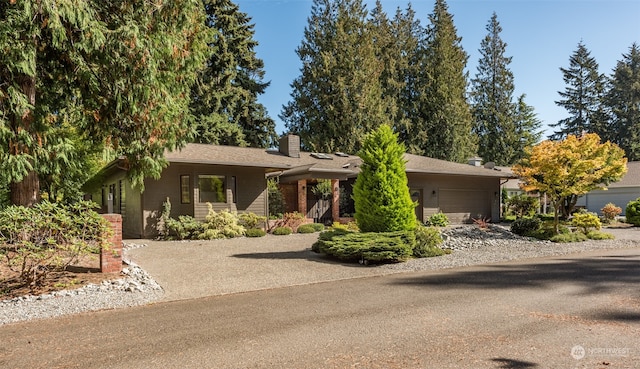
[[416, 197]]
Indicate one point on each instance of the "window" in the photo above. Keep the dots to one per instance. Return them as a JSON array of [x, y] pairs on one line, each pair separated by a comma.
[[212, 188], [121, 203], [185, 189], [232, 186]]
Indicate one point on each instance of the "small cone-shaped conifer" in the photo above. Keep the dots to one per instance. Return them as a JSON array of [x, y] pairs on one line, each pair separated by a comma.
[[381, 194]]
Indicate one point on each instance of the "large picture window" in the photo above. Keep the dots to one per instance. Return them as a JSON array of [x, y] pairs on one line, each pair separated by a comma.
[[212, 188]]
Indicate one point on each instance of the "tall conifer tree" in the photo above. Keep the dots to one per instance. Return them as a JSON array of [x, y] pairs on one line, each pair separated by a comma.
[[582, 97], [443, 106], [527, 128], [338, 96], [623, 101], [409, 38], [225, 98], [492, 91], [116, 73]]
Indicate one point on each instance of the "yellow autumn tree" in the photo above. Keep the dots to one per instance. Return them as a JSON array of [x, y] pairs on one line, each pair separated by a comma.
[[568, 169]]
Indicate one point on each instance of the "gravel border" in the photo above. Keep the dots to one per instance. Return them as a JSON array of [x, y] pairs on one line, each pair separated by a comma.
[[135, 288], [469, 245]]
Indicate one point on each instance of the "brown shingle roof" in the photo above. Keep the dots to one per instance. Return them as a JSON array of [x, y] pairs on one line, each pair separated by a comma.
[[423, 164], [631, 179], [273, 160]]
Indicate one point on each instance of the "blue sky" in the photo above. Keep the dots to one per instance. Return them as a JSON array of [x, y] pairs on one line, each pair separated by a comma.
[[541, 35]]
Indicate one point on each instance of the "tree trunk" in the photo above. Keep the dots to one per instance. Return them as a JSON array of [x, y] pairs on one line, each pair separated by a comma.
[[26, 192]]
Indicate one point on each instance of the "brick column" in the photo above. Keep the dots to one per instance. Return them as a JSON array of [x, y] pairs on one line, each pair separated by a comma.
[[111, 256], [335, 200], [302, 196]]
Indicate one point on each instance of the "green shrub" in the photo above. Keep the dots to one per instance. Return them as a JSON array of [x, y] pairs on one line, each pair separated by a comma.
[[522, 205], [251, 220], [569, 237], [327, 236], [370, 246], [185, 227], [307, 228], [318, 227], [632, 212], [427, 243], [49, 237], [586, 221], [282, 231], [597, 235], [276, 199], [223, 224], [380, 193], [351, 226], [547, 230], [438, 220], [610, 212], [526, 226], [255, 232]]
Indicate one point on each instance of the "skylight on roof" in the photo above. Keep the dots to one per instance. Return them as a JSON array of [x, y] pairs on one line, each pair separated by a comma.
[[319, 155], [341, 154]]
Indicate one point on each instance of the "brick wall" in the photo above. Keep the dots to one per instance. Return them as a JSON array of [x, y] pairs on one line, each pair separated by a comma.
[[111, 256]]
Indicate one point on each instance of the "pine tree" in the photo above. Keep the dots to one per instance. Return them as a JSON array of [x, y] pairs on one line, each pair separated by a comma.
[[224, 99], [381, 194], [582, 98], [623, 101], [118, 73], [443, 105], [527, 129], [492, 99], [338, 96]]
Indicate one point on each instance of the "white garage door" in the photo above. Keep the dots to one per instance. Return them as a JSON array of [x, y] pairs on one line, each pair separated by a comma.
[[465, 205]]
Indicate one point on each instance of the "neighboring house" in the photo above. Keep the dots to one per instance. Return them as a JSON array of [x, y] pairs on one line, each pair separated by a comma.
[[235, 178], [619, 193]]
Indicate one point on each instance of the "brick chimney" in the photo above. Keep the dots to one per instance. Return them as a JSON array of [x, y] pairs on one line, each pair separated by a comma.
[[290, 146]]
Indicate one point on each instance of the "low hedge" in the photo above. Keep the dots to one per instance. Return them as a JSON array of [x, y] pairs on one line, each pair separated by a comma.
[[282, 231], [369, 246], [306, 228]]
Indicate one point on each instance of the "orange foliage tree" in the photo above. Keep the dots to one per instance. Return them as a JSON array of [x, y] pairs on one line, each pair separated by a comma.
[[568, 169]]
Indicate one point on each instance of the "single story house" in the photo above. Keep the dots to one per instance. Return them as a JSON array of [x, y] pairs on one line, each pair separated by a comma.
[[619, 193], [235, 178]]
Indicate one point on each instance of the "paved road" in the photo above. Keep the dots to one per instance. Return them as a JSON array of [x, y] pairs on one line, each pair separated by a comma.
[[526, 314]]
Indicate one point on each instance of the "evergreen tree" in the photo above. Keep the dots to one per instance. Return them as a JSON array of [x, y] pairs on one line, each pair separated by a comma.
[[225, 97], [381, 192], [110, 74], [527, 129], [492, 99], [582, 98], [386, 50], [338, 96], [443, 106], [623, 101], [409, 52]]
